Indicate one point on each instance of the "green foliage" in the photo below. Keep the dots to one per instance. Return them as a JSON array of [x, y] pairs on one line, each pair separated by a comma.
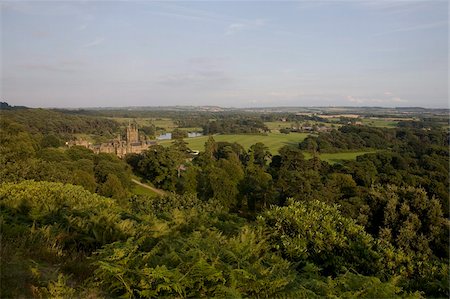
[[179, 134], [71, 215], [85, 179], [256, 187], [181, 146], [349, 285], [57, 289], [159, 165], [234, 126], [200, 264], [112, 187], [15, 143], [408, 218], [349, 138], [318, 233], [50, 122], [260, 153], [50, 141], [79, 152], [274, 141], [52, 155], [187, 183], [380, 229]]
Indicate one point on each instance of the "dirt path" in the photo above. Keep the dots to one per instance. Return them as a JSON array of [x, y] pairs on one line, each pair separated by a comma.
[[157, 191]]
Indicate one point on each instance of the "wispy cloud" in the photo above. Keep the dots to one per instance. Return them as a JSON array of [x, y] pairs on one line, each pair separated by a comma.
[[415, 28], [64, 8], [235, 27], [233, 24], [82, 27], [385, 99], [205, 72], [188, 17], [96, 42], [191, 14], [204, 79], [247, 25], [58, 67], [87, 19], [395, 7]]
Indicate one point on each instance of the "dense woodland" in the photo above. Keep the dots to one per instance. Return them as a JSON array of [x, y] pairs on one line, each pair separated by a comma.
[[234, 223], [234, 126]]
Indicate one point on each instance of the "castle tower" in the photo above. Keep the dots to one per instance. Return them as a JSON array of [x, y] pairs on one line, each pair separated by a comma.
[[132, 133]]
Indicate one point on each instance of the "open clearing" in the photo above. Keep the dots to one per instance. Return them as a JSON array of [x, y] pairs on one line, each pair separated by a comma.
[[277, 125], [144, 189], [274, 141], [333, 158], [139, 190], [379, 122]]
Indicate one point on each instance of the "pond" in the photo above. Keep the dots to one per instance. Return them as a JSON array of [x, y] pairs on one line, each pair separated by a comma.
[[168, 136]]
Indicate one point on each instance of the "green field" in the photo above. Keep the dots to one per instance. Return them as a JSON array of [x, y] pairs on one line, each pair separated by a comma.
[[333, 158], [274, 141], [277, 125], [139, 190], [379, 122]]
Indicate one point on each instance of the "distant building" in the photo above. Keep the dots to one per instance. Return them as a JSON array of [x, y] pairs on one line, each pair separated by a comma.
[[132, 144]]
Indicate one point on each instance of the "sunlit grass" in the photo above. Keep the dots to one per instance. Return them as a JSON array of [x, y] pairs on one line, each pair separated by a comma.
[[139, 190], [380, 123], [333, 158], [274, 141]]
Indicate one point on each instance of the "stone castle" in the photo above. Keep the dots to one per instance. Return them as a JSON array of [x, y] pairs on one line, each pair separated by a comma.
[[119, 147]]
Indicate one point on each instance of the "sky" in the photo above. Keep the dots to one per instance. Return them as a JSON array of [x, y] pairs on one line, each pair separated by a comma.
[[225, 53]]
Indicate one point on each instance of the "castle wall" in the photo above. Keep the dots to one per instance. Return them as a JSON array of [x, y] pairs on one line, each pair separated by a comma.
[[132, 145]]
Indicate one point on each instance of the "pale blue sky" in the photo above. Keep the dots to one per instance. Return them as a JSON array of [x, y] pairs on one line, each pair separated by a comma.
[[228, 53]]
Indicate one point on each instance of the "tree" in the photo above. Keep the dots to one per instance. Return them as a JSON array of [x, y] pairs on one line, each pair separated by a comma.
[[179, 134], [181, 146], [15, 143], [256, 188], [187, 182], [50, 141], [106, 164], [84, 179], [291, 158], [207, 157], [112, 187], [409, 219], [159, 165], [316, 232], [261, 153]]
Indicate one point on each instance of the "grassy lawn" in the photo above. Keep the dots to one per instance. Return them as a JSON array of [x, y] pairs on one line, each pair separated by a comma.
[[379, 122], [333, 158], [277, 125], [165, 123], [139, 190], [274, 141]]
